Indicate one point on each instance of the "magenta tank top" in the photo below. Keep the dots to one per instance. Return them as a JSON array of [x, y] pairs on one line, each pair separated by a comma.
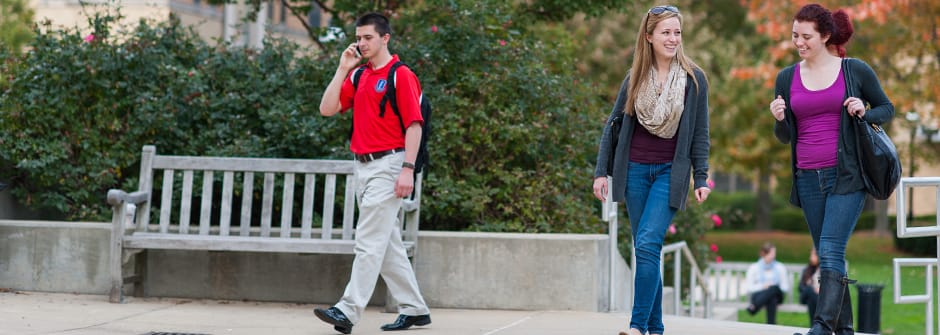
[[817, 122]]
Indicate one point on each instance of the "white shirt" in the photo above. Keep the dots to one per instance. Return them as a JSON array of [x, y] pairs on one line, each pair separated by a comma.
[[761, 275]]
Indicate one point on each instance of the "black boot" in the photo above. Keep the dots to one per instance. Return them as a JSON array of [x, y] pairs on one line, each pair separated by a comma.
[[832, 290], [844, 325]]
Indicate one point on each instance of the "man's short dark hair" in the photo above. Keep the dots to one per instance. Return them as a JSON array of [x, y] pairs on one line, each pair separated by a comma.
[[379, 21]]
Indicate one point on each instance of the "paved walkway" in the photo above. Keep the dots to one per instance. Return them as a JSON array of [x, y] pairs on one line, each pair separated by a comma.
[[35, 313]]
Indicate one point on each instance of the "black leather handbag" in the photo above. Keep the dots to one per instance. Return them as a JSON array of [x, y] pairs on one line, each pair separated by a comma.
[[878, 159], [877, 155], [615, 125]]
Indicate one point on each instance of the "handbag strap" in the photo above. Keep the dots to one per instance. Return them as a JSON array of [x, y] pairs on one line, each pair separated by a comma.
[[851, 89]]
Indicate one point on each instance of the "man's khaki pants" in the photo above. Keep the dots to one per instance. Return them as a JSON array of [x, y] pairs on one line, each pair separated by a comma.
[[379, 248]]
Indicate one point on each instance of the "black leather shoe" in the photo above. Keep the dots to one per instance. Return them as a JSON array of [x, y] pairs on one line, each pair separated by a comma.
[[335, 317], [406, 321], [751, 309]]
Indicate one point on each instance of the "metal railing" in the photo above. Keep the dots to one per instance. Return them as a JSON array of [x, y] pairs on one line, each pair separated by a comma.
[[696, 279], [609, 214], [930, 264], [680, 250]]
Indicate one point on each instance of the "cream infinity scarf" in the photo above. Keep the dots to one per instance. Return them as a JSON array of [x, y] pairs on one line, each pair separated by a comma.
[[658, 110]]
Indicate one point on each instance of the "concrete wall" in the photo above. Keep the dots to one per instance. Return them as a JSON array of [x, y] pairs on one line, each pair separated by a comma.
[[54, 256], [455, 269], [514, 271]]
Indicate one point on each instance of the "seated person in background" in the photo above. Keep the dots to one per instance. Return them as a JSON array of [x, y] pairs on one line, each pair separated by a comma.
[[767, 281], [809, 284]]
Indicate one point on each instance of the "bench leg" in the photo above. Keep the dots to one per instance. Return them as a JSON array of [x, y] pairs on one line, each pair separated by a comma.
[[116, 250], [116, 294]]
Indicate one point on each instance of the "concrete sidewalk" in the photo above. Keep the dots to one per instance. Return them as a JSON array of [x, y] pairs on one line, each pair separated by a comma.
[[34, 313]]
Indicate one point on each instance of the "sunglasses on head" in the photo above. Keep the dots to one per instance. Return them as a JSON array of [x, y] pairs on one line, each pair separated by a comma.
[[662, 9]]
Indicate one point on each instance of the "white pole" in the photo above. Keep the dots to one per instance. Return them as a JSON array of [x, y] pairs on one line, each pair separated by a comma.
[[231, 15], [256, 29]]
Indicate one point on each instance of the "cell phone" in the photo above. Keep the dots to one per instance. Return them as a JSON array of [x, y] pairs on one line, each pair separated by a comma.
[[358, 53]]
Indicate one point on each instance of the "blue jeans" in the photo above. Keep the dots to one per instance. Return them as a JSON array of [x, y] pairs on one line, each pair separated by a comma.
[[831, 217], [650, 215]]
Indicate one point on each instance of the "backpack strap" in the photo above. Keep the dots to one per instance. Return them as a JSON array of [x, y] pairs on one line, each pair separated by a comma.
[[355, 82], [390, 95], [356, 75]]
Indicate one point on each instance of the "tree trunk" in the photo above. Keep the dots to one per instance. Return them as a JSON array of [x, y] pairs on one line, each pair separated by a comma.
[[881, 218], [763, 201]]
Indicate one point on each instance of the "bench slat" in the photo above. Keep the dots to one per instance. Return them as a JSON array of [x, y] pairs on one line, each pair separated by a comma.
[[248, 188], [349, 208], [280, 165], [225, 210], [166, 202], [267, 204], [205, 211], [186, 201], [287, 204], [329, 189], [146, 185], [411, 212], [241, 243], [306, 224]]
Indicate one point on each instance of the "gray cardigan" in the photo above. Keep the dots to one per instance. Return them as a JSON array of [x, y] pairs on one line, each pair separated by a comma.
[[860, 82], [692, 146]]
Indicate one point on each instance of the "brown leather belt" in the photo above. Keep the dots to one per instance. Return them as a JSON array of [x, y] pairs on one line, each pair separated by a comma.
[[376, 155]]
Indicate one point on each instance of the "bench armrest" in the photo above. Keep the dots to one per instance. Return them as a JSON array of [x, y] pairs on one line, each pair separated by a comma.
[[117, 197]]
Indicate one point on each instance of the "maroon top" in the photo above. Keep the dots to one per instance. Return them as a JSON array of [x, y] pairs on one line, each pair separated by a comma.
[[649, 149]]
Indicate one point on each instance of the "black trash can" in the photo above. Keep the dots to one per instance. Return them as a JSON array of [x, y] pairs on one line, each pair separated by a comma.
[[869, 308]]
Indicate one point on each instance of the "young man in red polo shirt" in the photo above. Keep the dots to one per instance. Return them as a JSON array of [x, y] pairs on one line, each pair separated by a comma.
[[384, 174]]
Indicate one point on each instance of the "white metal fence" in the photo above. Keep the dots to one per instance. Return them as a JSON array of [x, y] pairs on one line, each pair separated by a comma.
[[929, 264]]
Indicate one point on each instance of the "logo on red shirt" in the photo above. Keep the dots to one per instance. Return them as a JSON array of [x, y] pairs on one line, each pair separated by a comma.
[[380, 86]]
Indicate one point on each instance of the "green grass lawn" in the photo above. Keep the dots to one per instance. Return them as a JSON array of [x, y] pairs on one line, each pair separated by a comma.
[[870, 260]]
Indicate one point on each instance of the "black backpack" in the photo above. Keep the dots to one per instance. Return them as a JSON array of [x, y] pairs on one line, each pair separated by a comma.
[[423, 157]]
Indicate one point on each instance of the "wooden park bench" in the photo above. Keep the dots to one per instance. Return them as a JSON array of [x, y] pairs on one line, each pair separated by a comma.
[[238, 204]]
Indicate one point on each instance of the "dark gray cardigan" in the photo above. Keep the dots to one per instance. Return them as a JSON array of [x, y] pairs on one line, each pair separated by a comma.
[[692, 146], [860, 82]]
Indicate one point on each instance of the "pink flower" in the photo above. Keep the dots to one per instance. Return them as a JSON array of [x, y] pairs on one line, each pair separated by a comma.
[[714, 247], [502, 42], [90, 38], [433, 29], [716, 219], [711, 183], [672, 228], [718, 259]]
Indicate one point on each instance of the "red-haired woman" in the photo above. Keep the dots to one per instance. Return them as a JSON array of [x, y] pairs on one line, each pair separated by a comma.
[[817, 101]]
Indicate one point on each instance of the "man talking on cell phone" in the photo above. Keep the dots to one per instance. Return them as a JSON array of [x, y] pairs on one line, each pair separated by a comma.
[[384, 173]]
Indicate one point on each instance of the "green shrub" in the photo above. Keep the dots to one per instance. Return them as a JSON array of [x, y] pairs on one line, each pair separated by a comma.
[[516, 132], [866, 221], [788, 219], [690, 226], [737, 210]]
